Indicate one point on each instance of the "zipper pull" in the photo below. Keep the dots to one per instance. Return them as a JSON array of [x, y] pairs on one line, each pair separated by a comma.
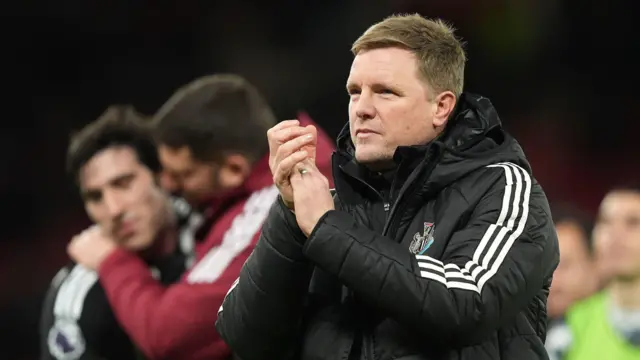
[[386, 206]]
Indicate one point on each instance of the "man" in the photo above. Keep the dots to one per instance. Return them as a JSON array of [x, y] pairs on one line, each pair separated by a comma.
[[114, 162], [212, 145], [438, 243], [607, 324], [576, 276]]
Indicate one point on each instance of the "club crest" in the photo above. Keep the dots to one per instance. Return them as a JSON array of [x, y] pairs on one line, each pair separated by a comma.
[[422, 241]]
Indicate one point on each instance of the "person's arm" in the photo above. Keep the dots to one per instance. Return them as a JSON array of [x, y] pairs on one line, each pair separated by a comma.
[[168, 322], [47, 317], [261, 316], [76, 322], [491, 270]]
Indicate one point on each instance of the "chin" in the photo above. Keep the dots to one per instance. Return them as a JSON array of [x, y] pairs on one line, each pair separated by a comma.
[[137, 244], [374, 160]]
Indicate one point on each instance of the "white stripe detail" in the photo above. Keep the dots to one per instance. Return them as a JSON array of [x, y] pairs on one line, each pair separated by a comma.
[[436, 270], [73, 291], [236, 239], [233, 286]]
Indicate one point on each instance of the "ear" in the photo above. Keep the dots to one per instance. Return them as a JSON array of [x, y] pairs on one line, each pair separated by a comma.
[[234, 170], [444, 104]]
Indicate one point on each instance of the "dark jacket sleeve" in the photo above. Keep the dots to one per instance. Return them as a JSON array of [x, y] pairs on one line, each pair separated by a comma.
[[491, 269], [77, 322], [47, 317], [261, 315]]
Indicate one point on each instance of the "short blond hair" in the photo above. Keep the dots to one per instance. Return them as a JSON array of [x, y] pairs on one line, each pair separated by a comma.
[[440, 53]]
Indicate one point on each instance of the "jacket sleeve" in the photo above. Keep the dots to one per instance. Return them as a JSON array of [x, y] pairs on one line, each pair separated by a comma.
[[168, 322], [47, 317], [491, 269], [261, 316], [76, 322]]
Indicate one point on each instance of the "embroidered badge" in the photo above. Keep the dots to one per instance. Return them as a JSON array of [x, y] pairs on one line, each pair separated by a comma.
[[422, 242]]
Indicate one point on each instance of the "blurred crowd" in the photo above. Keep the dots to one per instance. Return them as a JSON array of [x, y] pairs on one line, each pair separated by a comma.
[[557, 70]]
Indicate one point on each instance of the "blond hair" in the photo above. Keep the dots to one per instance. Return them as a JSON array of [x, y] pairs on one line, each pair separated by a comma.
[[439, 52]]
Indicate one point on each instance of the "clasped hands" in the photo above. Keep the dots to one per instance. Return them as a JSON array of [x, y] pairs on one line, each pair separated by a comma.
[[292, 159]]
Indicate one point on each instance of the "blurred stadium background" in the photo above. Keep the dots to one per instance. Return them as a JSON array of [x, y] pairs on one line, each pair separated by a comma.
[[559, 71]]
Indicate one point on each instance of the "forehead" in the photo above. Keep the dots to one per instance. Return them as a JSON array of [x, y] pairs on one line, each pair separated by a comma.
[[571, 236], [621, 202], [108, 165], [176, 159], [384, 64]]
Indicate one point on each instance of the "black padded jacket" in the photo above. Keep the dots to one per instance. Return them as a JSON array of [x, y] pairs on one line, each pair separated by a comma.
[[449, 257]]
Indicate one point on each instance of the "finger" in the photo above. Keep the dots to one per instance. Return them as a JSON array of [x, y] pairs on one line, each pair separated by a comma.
[[307, 172], [291, 146], [271, 133], [285, 124], [286, 166], [305, 167], [282, 136], [311, 148]]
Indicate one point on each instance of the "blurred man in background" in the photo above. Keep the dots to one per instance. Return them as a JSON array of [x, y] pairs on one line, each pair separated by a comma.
[[114, 162], [607, 324], [576, 276], [212, 144]]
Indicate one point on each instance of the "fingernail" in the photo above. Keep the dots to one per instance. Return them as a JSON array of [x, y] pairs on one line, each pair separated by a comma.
[[308, 137]]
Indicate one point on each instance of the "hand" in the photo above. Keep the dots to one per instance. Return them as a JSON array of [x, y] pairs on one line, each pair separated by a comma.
[[311, 195], [91, 247], [289, 143]]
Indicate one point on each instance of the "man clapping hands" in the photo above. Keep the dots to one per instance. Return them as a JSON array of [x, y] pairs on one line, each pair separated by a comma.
[[302, 186]]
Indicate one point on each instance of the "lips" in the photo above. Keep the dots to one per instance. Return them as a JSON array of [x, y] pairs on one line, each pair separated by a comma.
[[365, 132], [126, 229]]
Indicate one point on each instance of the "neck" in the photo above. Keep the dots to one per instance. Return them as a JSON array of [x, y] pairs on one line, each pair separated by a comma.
[[166, 239], [626, 293]]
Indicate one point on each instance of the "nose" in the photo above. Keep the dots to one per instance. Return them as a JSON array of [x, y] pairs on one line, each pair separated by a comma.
[[168, 182], [364, 106], [114, 205]]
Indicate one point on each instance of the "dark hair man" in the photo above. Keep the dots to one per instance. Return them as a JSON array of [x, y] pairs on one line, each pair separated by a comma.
[[115, 165], [438, 243], [208, 134]]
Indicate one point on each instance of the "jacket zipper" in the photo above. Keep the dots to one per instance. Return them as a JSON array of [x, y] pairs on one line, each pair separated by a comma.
[[365, 344], [391, 227]]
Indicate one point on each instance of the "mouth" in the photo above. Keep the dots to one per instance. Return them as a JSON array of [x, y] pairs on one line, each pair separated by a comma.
[[364, 133], [126, 229]]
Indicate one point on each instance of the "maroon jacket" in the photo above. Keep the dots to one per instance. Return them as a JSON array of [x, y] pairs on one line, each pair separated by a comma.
[[177, 321]]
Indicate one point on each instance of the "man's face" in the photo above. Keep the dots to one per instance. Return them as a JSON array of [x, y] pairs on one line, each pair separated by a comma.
[[195, 180], [389, 105], [617, 235], [575, 276], [122, 196]]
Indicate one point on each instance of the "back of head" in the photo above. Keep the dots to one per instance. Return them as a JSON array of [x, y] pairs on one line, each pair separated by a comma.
[[119, 125], [441, 57], [216, 115]]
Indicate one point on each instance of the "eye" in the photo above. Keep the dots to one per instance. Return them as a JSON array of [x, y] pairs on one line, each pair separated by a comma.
[[633, 222], [353, 91], [92, 196], [123, 182], [384, 89]]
